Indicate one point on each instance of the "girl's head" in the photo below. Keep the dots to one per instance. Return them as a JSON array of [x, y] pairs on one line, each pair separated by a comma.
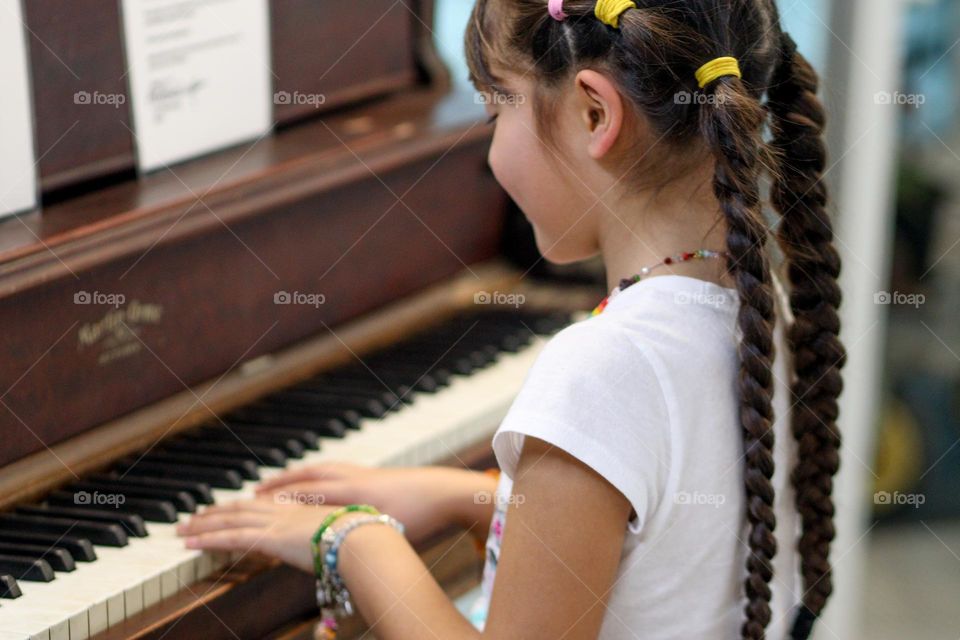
[[585, 107]]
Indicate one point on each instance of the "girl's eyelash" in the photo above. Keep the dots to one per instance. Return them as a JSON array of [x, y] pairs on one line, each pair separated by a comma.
[[492, 118]]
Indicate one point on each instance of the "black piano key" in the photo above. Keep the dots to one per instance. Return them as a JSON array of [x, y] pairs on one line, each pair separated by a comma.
[[9, 589], [412, 374], [290, 447], [369, 407], [419, 379], [475, 348], [356, 375], [503, 338], [325, 427], [132, 523], [452, 361], [219, 478], [130, 486], [103, 533], [245, 468], [262, 456], [381, 394], [201, 492], [27, 569], [58, 557], [547, 323], [79, 547], [392, 360], [149, 510], [309, 439], [364, 401], [267, 408]]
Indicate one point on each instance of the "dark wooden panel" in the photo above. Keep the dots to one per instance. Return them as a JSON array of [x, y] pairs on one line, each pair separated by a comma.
[[79, 83], [207, 302], [330, 53]]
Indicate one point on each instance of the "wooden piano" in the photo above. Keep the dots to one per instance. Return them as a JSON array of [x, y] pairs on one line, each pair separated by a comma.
[[335, 291]]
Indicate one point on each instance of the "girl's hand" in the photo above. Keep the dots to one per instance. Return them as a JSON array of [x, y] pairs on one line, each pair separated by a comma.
[[282, 531], [424, 499]]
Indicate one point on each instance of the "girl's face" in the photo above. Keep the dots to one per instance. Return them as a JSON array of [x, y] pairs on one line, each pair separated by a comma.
[[545, 182]]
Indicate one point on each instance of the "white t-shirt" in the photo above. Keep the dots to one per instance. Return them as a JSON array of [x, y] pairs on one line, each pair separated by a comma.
[[646, 395]]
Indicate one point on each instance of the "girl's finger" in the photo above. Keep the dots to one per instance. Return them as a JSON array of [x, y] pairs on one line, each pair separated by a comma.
[[204, 522], [296, 475], [258, 504], [239, 539], [310, 493]]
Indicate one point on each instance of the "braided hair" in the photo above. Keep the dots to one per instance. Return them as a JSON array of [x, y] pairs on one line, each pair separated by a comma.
[[653, 56]]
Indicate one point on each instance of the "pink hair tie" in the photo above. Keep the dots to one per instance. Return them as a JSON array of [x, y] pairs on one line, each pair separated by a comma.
[[556, 10]]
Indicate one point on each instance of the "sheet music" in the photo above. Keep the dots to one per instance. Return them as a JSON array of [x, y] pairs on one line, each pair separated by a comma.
[[199, 74], [18, 172]]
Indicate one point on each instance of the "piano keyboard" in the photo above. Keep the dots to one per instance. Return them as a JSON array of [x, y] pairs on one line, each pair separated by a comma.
[[76, 565]]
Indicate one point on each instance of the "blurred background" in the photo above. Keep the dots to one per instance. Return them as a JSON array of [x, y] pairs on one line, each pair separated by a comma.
[[888, 69]]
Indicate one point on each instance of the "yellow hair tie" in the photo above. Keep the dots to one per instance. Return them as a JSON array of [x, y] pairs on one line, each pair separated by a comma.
[[717, 68], [609, 11]]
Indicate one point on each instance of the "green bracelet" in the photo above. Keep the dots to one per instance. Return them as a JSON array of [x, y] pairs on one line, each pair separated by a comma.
[[331, 517]]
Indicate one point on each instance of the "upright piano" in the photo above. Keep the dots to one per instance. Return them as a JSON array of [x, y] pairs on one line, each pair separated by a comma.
[[337, 290]]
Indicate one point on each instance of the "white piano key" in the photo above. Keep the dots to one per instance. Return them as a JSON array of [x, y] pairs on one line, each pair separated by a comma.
[[125, 580]]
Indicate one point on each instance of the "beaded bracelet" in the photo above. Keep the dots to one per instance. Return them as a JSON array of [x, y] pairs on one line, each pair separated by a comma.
[[333, 596], [333, 515]]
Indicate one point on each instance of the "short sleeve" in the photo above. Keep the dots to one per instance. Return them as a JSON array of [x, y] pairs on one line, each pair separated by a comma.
[[594, 393]]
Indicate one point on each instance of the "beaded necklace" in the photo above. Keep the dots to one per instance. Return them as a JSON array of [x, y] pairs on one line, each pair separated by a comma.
[[701, 254]]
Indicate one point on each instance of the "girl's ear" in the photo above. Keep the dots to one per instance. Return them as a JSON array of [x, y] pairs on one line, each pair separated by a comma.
[[600, 108]]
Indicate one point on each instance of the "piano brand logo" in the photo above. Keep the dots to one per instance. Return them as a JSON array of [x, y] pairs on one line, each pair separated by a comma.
[[309, 299], [97, 498], [316, 100], [111, 299], [96, 98], [499, 298], [117, 332]]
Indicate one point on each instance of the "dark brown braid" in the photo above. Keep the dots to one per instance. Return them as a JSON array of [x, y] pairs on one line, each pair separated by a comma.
[[653, 57], [732, 125], [806, 237]]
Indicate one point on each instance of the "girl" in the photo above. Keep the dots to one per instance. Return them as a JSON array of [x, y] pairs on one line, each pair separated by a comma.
[[642, 494]]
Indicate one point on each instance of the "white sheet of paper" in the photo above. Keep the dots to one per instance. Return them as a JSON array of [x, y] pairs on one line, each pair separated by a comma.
[[18, 171], [199, 74]]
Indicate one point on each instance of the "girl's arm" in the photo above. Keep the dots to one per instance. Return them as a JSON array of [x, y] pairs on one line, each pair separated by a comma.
[[561, 548], [560, 551]]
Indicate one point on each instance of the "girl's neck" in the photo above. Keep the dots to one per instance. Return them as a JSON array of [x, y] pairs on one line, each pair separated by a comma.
[[642, 230]]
